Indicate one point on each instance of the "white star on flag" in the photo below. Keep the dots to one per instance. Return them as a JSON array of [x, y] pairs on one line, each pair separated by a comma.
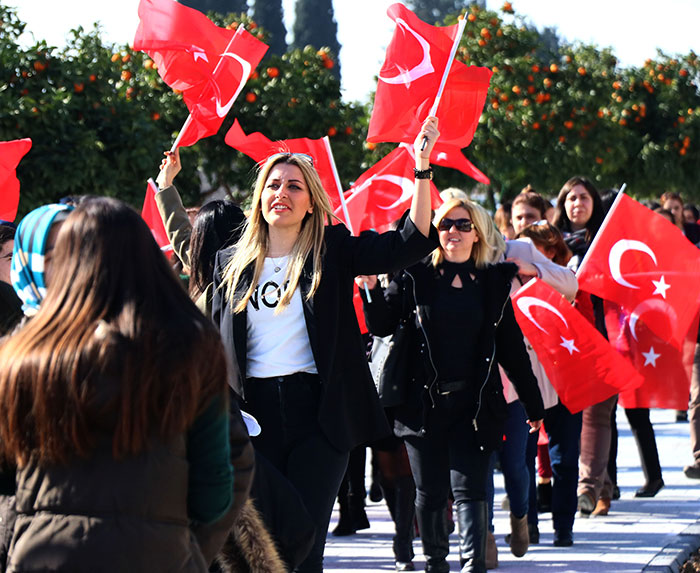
[[661, 287], [197, 53], [569, 345], [650, 357]]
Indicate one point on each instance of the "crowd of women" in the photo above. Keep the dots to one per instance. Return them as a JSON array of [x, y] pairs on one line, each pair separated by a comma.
[[147, 427]]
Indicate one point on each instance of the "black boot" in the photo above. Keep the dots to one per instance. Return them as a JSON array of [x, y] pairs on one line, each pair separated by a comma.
[[435, 539], [346, 524], [472, 517], [404, 512], [356, 505]]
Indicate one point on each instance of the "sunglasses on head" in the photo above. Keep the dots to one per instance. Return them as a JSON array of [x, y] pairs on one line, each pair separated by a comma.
[[464, 225], [290, 154]]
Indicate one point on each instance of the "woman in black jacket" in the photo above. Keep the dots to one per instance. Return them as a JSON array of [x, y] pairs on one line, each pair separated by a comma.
[[283, 303], [459, 306]]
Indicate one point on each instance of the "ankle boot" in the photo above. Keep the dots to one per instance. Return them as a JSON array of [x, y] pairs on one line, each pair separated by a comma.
[[435, 539], [345, 522], [472, 517], [491, 551], [519, 535], [356, 506]]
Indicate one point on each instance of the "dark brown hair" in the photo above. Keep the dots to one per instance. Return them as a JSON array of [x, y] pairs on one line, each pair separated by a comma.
[[117, 348], [533, 199], [561, 219], [547, 236]]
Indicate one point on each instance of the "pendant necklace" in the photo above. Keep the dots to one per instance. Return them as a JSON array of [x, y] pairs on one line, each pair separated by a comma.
[[277, 267]]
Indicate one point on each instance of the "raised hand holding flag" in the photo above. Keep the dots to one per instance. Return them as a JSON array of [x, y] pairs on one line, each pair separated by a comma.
[[11, 152]]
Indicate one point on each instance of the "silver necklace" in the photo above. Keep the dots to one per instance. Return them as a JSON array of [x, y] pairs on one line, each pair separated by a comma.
[[277, 267]]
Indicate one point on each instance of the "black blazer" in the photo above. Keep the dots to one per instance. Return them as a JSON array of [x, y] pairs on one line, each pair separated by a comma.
[[350, 413]]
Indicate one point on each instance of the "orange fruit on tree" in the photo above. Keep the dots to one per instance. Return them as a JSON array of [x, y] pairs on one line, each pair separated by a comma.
[[155, 116], [554, 68], [581, 71], [371, 145], [332, 131], [471, 18], [348, 130], [250, 97], [78, 87], [93, 77], [39, 66], [126, 58], [273, 72], [328, 63], [126, 75], [116, 57]]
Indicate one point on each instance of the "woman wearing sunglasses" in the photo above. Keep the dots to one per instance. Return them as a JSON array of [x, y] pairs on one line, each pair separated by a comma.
[[283, 302], [453, 417]]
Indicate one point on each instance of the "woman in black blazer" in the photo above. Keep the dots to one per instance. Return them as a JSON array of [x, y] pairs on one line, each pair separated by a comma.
[[283, 303]]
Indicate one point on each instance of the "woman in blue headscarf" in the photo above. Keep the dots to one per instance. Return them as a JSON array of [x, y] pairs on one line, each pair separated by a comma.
[[31, 256]]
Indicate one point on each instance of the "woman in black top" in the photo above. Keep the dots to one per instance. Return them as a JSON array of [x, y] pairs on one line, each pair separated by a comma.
[[453, 416]]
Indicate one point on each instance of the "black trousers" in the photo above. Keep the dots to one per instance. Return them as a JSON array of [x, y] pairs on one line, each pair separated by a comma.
[[291, 439]]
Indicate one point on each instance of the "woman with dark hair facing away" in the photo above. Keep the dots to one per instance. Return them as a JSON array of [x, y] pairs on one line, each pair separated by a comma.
[[458, 307], [217, 225], [283, 302], [113, 405], [579, 215]]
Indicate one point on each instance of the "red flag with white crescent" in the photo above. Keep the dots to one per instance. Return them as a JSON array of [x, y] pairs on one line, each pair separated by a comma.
[[583, 368], [638, 259], [666, 368], [409, 80], [208, 64], [383, 193], [11, 153]]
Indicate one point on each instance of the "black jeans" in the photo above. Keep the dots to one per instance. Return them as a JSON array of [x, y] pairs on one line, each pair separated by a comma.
[[291, 439], [448, 455]]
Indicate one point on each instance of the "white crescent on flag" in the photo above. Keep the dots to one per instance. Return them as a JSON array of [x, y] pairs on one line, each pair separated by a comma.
[[424, 68], [525, 302], [651, 304], [407, 189], [222, 110], [619, 249]]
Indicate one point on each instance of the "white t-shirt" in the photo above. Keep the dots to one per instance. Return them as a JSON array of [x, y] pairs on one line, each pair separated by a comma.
[[277, 344]]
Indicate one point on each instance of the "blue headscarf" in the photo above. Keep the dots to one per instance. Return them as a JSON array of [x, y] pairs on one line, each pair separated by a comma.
[[27, 269]]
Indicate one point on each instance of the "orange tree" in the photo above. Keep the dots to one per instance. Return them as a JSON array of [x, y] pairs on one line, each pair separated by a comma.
[[659, 104], [543, 120], [100, 117]]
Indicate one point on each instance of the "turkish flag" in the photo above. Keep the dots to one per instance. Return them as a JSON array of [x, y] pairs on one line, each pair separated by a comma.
[[410, 79], [666, 369], [640, 261], [150, 214], [258, 147], [451, 156], [208, 64], [583, 368], [382, 194], [11, 153]]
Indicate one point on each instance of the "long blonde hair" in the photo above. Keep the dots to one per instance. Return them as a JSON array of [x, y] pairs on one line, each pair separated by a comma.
[[252, 247], [490, 246]]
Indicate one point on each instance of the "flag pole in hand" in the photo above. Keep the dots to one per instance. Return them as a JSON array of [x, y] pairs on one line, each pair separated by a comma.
[[458, 38]]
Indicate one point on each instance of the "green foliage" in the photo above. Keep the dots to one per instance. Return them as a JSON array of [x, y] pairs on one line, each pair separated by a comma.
[[270, 16], [553, 110], [435, 11], [315, 25], [100, 117]]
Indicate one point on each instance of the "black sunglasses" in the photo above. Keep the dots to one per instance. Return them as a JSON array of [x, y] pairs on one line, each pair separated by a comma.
[[464, 225]]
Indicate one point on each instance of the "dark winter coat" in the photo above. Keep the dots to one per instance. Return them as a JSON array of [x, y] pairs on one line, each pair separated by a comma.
[[500, 341], [349, 411]]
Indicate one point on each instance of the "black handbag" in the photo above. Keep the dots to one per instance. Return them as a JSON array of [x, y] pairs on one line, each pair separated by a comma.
[[390, 361]]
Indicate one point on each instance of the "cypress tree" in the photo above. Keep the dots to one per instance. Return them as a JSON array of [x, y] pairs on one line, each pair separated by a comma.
[[220, 6], [269, 15], [315, 25]]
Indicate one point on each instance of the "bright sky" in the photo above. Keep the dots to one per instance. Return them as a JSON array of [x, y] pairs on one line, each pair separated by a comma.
[[633, 29]]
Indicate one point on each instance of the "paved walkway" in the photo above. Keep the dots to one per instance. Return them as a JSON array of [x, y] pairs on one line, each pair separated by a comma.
[[650, 535]]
